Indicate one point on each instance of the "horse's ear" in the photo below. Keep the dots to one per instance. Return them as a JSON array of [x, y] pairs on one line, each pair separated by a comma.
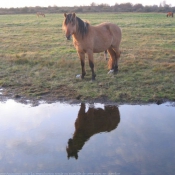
[[74, 15], [65, 15]]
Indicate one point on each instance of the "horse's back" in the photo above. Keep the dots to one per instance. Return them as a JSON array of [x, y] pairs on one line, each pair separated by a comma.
[[109, 26], [101, 37], [108, 29]]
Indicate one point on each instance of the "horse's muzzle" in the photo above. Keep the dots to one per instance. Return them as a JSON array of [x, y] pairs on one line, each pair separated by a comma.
[[68, 37]]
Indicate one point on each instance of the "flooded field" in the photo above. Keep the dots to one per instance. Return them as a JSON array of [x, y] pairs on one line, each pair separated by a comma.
[[87, 139]]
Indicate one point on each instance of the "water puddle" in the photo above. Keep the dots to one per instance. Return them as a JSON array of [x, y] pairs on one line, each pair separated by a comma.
[[87, 139], [1, 91]]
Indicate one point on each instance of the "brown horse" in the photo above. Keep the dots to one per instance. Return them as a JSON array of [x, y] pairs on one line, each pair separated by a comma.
[[89, 39], [169, 14], [87, 124], [40, 14]]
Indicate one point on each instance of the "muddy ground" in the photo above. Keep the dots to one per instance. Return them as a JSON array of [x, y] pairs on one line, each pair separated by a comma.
[[62, 94]]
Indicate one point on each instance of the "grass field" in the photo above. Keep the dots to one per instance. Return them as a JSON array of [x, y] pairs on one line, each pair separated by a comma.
[[37, 61]]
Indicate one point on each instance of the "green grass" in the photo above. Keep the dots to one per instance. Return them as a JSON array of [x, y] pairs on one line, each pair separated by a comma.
[[36, 59]]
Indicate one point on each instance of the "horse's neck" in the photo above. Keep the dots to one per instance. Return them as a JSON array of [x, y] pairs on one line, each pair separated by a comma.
[[76, 36]]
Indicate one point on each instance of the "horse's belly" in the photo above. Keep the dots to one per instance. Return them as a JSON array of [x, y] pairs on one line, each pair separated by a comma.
[[101, 44], [99, 50], [101, 47]]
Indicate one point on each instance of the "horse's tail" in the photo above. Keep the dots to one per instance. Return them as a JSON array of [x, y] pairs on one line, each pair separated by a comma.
[[172, 14]]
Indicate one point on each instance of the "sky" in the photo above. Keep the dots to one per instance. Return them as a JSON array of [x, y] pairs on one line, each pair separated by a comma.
[[46, 3]]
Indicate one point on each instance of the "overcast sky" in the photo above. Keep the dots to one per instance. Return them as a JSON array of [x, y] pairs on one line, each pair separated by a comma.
[[46, 3]]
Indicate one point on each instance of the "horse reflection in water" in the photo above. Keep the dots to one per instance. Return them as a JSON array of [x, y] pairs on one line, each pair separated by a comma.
[[90, 123]]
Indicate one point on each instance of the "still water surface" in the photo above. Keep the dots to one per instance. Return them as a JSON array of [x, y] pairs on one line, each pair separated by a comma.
[[81, 138]]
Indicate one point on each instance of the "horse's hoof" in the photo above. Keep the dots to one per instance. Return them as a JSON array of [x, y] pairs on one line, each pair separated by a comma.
[[111, 71], [78, 76], [93, 77]]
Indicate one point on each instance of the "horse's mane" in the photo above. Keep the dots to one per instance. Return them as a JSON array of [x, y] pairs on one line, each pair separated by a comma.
[[83, 26]]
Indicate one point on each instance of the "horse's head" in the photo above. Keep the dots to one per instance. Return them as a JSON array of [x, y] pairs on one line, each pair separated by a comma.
[[69, 24], [72, 150]]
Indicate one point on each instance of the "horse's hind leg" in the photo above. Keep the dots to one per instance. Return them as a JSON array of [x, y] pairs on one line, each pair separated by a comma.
[[117, 57], [113, 61]]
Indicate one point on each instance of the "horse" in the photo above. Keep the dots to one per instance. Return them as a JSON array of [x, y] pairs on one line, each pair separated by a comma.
[[87, 124], [40, 14], [170, 14], [89, 39]]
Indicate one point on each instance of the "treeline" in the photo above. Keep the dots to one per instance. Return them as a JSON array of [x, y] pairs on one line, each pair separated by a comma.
[[92, 8]]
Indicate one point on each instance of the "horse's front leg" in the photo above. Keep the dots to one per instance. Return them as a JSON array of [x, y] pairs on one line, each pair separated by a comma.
[[91, 64], [82, 60]]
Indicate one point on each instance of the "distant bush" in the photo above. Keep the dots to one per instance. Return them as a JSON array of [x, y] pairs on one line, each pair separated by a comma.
[[93, 7]]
